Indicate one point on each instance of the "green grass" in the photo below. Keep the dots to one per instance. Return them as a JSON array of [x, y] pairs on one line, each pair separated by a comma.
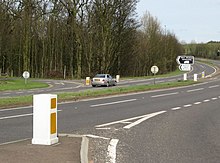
[[74, 96], [19, 84]]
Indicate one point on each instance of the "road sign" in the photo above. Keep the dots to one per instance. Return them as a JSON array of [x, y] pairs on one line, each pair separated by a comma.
[[185, 60], [154, 69], [185, 67], [26, 74]]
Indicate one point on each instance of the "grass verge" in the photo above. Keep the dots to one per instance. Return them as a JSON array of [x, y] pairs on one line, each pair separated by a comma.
[[74, 96]]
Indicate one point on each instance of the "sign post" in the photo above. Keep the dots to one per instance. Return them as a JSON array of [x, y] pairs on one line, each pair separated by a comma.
[[154, 70]]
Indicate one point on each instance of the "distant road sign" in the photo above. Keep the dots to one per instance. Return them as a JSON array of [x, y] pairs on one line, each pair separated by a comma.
[[185, 60], [26, 74], [154, 69], [185, 67]]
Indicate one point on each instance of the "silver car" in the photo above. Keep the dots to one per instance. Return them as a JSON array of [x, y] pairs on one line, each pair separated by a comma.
[[103, 80]]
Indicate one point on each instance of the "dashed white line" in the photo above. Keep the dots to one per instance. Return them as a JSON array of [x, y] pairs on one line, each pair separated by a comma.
[[206, 100], [111, 103], [176, 108], [215, 98], [214, 86], [167, 94], [186, 106], [197, 103], [193, 90]]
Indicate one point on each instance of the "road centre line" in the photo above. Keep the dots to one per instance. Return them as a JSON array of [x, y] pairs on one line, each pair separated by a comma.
[[206, 100], [18, 116], [193, 90], [167, 94], [214, 86], [186, 106], [176, 108], [197, 103], [112, 103]]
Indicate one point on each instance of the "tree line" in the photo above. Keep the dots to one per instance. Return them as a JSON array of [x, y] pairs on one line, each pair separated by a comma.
[[81, 38], [210, 50]]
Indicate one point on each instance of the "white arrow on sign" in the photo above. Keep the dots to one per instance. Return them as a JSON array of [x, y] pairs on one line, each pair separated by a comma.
[[185, 67]]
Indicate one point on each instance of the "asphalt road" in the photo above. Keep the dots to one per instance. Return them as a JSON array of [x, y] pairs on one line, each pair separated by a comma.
[[58, 86], [172, 125]]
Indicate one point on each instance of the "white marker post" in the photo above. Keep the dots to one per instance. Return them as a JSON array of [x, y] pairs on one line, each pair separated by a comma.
[[185, 76], [117, 78], [195, 77], [45, 119]]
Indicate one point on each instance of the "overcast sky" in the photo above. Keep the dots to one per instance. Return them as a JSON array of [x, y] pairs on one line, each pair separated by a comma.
[[189, 20]]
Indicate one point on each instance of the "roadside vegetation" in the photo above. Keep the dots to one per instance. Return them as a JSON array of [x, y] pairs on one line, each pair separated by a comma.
[[74, 96], [19, 84]]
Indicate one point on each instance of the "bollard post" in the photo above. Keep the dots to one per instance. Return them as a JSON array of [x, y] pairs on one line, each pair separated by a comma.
[[87, 80], [45, 119], [117, 78], [185, 76], [203, 74], [195, 77]]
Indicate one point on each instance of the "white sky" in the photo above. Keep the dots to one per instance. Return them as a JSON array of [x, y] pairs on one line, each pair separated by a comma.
[[197, 20]]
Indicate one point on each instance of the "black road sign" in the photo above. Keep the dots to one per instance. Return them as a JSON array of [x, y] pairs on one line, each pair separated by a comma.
[[185, 60]]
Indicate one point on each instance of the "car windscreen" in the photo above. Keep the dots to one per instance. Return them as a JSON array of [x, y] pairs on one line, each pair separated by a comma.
[[100, 76]]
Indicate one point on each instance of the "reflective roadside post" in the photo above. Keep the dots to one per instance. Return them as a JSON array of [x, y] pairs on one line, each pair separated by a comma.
[[117, 78], [203, 74], [185, 76], [45, 119], [87, 80], [195, 77]]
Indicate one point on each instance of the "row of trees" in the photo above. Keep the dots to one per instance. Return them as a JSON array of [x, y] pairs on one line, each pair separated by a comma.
[[209, 50], [82, 38]]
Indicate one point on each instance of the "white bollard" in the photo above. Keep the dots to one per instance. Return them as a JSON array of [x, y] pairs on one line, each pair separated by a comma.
[[195, 77], [45, 119], [117, 78], [87, 80], [185, 76]]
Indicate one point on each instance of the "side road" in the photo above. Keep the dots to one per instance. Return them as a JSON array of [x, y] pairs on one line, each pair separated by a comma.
[[70, 149]]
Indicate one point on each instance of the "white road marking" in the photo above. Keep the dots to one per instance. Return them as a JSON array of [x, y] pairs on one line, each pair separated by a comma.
[[206, 100], [214, 98], [19, 108], [176, 108], [97, 137], [18, 116], [193, 90], [197, 103], [125, 120], [143, 119], [167, 94], [186, 106], [112, 150], [112, 103], [214, 86], [16, 141]]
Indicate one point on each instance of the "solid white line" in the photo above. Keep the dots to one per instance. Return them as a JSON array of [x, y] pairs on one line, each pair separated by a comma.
[[176, 108], [143, 119], [197, 103], [112, 150], [193, 90], [1, 110], [112, 103], [97, 137], [214, 86], [168, 94]]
